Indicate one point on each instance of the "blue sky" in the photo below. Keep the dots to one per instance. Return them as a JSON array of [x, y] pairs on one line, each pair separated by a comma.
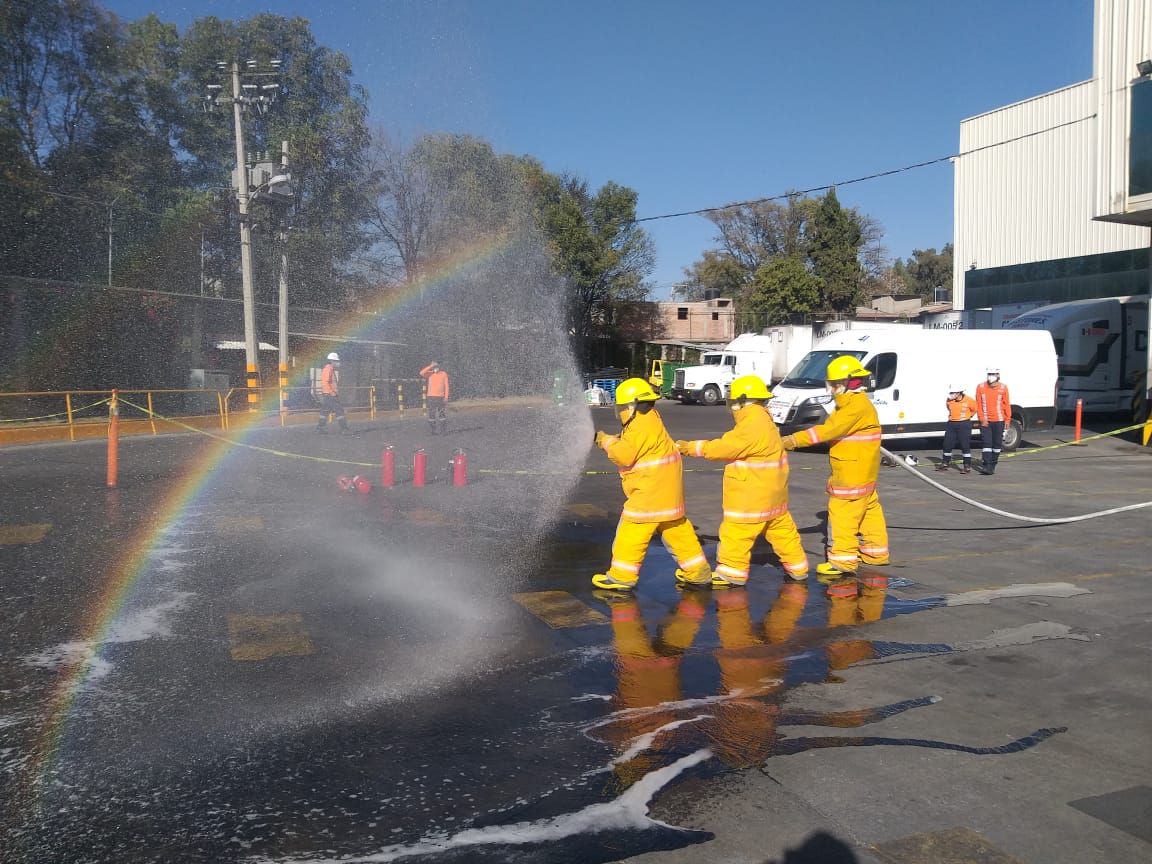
[[697, 104]]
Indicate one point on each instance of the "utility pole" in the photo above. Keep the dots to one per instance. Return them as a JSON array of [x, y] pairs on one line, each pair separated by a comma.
[[283, 311], [251, 347], [246, 94]]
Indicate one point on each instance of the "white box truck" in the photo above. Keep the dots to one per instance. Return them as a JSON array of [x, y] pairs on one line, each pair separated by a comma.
[[770, 354], [747, 354], [1101, 349], [913, 368]]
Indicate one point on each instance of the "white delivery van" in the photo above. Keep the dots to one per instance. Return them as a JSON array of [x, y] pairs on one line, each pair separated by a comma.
[[912, 370]]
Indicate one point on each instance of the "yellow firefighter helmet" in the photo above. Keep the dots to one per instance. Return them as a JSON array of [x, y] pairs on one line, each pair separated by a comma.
[[749, 387], [843, 368], [634, 390]]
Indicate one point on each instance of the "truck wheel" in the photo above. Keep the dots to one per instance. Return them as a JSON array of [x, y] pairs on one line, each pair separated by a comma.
[[711, 395], [1013, 433]]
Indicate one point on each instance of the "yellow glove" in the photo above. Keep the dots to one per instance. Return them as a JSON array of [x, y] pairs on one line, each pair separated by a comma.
[[600, 438], [686, 448], [789, 442]]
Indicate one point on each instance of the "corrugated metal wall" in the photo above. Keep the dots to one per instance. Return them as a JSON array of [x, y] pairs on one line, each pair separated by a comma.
[[1032, 177], [1123, 38]]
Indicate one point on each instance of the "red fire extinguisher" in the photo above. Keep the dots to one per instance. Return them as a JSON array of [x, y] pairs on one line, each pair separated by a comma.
[[418, 464], [388, 467], [460, 469]]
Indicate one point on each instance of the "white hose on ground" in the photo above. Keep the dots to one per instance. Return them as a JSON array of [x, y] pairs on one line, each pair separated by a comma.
[[1036, 519]]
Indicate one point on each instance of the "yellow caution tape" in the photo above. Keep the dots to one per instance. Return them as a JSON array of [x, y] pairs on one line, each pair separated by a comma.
[[1074, 443], [61, 414]]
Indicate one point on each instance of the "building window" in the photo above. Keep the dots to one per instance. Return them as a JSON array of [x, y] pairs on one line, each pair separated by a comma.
[[682, 313], [1140, 140], [715, 316]]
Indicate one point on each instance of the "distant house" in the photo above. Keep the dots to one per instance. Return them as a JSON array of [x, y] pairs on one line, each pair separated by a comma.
[[699, 321]]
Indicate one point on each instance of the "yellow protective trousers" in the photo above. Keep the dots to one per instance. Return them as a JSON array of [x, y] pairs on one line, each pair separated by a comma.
[[858, 532], [679, 537], [734, 554]]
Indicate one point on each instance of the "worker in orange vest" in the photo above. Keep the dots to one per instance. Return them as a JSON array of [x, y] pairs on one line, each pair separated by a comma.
[[330, 395], [856, 522], [652, 474], [755, 487], [437, 397], [995, 411], [958, 430]]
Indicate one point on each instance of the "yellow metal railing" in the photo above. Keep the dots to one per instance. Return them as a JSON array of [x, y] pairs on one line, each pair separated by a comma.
[[55, 414]]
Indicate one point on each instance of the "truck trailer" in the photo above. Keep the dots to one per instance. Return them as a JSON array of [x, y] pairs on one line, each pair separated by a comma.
[[1101, 349]]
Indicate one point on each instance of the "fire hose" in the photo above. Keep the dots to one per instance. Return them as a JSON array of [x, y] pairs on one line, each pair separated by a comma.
[[1039, 520]]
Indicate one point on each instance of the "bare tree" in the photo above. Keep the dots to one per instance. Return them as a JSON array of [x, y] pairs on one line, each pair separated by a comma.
[[404, 207]]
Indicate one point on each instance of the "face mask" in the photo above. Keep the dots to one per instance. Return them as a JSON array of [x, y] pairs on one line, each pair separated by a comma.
[[993, 379]]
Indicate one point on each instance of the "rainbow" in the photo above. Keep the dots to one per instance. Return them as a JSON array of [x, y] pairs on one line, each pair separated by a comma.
[[135, 563]]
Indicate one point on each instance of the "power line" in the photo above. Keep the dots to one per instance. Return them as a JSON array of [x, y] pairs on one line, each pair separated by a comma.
[[878, 174]]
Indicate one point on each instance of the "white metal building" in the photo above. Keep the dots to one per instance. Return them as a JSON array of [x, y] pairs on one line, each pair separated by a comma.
[[1053, 195]]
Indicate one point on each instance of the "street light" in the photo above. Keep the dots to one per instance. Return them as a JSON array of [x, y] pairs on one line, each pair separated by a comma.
[[111, 204], [246, 94]]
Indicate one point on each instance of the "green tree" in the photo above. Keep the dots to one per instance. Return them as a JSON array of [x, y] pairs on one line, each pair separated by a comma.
[[597, 248], [834, 249], [926, 271], [781, 288], [716, 274]]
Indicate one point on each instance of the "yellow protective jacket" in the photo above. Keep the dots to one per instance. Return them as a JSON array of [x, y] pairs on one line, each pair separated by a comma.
[[853, 430], [756, 477], [650, 470]]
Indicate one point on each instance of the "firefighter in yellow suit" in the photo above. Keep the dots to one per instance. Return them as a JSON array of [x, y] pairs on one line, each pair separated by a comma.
[[755, 487], [653, 478], [855, 520]]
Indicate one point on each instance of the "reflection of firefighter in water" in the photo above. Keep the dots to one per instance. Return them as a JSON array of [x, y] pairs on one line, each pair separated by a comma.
[[648, 676], [752, 668], [851, 602], [652, 723]]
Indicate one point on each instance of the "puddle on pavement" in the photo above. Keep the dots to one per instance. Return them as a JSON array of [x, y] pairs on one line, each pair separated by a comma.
[[557, 759]]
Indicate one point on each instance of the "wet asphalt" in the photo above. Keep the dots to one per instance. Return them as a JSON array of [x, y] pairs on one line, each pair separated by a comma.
[[228, 658]]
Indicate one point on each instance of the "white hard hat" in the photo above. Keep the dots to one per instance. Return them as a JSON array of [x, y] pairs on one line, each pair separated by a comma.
[[993, 370], [955, 388], [334, 356]]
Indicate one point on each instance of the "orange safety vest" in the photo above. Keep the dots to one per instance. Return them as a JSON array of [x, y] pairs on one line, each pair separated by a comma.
[[329, 380], [992, 405], [961, 409], [437, 382]]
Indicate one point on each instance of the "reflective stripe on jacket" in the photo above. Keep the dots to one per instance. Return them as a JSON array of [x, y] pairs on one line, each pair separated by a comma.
[[853, 431], [329, 380], [650, 470], [992, 403], [756, 477]]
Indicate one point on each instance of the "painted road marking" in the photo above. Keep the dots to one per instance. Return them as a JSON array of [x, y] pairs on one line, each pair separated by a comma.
[[239, 524], [15, 535], [559, 609], [588, 511], [259, 637], [950, 845]]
